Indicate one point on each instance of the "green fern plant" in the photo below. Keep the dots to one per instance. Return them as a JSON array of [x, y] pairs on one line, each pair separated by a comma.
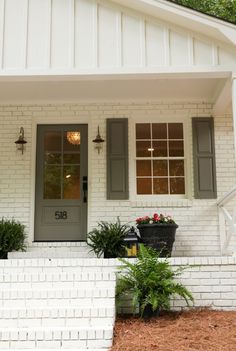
[[12, 236], [150, 281], [108, 239]]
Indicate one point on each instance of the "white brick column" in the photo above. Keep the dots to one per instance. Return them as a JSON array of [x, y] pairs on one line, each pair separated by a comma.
[[234, 110]]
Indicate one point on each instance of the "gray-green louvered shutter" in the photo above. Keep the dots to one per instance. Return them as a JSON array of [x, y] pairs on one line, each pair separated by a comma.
[[204, 158], [117, 159]]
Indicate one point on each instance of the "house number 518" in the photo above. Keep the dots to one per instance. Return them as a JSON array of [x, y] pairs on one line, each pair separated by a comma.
[[60, 215]]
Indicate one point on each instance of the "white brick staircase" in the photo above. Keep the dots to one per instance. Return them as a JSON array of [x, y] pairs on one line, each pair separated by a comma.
[[56, 303]]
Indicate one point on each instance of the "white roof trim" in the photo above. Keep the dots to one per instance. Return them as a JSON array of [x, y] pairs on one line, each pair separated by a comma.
[[185, 17]]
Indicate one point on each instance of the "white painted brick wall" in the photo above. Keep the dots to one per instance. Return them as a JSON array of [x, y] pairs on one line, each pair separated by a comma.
[[212, 282], [198, 219]]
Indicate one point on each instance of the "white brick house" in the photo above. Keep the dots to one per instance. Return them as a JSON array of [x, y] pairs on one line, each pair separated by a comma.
[[154, 64]]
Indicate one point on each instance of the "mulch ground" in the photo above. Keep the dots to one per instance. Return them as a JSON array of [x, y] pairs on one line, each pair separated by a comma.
[[187, 331]]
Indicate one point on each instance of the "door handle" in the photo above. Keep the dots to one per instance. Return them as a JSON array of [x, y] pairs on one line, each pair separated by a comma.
[[85, 188]]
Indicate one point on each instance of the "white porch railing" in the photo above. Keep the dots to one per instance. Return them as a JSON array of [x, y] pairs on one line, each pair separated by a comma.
[[227, 222]]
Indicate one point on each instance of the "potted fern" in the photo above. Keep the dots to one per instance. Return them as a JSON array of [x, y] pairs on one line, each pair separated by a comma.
[[108, 239], [151, 283], [12, 237]]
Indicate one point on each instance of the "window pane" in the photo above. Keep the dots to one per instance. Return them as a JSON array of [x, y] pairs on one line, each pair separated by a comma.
[[177, 186], [52, 158], [142, 148], [159, 131], [144, 186], [72, 158], [176, 148], [160, 168], [52, 141], [143, 131], [143, 168], [160, 185], [176, 167], [71, 182], [52, 182], [176, 131], [71, 140], [160, 148]]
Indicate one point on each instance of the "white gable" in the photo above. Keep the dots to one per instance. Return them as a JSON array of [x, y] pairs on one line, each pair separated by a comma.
[[87, 36]]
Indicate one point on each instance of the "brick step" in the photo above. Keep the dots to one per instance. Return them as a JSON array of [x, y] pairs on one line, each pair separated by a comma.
[[54, 270], [58, 262], [54, 285], [79, 302], [80, 253], [45, 276], [57, 338], [56, 317], [51, 294]]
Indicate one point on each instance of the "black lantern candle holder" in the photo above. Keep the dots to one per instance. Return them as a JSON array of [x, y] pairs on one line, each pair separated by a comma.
[[131, 243]]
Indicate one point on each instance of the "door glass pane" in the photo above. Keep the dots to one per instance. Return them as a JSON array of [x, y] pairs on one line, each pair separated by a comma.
[[143, 168], [52, 141], [72, 158], [71, 140], [52, 182], [144, 186], [71, 182], [143, 131], [52, 158]]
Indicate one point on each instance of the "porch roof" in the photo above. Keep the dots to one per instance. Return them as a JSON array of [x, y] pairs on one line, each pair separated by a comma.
[[212, 88]]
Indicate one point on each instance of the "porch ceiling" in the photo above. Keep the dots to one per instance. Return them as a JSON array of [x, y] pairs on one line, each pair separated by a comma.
[[113, 89]]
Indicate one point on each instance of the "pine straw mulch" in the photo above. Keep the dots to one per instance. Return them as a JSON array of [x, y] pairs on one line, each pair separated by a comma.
[[187, 331]]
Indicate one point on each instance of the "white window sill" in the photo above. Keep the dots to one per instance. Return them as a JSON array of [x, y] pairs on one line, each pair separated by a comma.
[[163, 203]]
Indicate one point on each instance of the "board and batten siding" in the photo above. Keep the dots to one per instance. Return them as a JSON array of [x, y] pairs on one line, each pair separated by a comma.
[[47, 35]]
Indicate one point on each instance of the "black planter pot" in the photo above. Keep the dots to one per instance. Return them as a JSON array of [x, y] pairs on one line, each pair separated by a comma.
[[159, 236], [108, 255], [3, 255], [148, 312]]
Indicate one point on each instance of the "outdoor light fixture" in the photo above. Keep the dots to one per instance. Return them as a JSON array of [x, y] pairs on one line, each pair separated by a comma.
[[131, 243], [20, 143], [73, 138], [98, 141]]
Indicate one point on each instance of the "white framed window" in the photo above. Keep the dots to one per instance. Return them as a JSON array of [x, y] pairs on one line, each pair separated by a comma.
[[160, 159]]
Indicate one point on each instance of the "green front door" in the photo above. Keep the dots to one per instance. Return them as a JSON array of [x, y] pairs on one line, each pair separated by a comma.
[[61, 183]]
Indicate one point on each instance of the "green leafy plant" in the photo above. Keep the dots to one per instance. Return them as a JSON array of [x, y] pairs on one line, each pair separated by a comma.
[[150, 281], [12, 236], [108, 239]]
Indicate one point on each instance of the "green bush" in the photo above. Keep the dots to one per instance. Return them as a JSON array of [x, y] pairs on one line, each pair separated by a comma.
[[108, 239], [12, 236], [150, 281]]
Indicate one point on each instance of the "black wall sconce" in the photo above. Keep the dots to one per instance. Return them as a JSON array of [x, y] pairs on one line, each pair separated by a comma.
[[98, 141], [20, 143]]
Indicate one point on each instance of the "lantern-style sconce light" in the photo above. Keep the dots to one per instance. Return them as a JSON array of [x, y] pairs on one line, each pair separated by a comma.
[[131, 243], [20, 142], [98, 141]]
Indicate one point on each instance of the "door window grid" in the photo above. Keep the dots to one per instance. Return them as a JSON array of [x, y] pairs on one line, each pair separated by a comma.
[[172, 180], [62, 186]]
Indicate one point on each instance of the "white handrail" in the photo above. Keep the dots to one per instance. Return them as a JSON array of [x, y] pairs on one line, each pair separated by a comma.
[[224, 199], [226, 217]]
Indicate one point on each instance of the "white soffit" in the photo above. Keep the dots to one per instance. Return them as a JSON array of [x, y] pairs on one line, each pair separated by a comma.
[[200, 89]]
